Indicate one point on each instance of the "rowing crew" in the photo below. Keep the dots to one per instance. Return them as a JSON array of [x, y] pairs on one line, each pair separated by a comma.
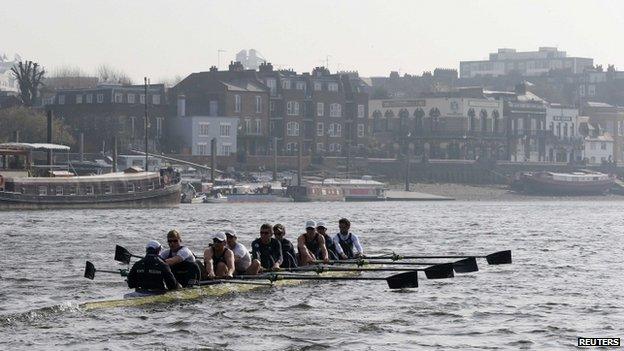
[[226, 257]]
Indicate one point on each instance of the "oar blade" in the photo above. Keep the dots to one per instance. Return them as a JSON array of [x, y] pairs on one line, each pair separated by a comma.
[[500, 257], [122, 255], [403, 280], [440, 271], [466, 265], [89, 271]]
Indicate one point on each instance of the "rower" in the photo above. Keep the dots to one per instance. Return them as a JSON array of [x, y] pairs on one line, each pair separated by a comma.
[[311, 245], [288, 249], [266, 252], [181, 259], [218, 258], [348, 241], [151, 273], [334, 250], [242, 259]]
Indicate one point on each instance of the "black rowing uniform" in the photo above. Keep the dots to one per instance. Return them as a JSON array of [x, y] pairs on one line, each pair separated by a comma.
[[330, 245], [186, 270], [268, 254], [313, 245], [288, 254], [216, 259], [151, 273]]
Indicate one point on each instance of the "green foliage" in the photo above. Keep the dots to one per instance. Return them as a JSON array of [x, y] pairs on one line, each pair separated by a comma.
[[32, 126]]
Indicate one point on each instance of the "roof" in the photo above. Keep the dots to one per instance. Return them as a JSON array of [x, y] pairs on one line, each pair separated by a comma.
[[597, 104], [34, 146]]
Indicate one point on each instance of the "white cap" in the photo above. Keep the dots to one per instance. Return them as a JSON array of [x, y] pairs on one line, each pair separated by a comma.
[[219, 236], [153, 244], [310, 224], [230, 232], [321, 224]]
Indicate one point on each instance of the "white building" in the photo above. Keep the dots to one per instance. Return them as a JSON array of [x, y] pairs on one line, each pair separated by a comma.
[[7, 81], [567, 143], [527, 63], [598, 149]]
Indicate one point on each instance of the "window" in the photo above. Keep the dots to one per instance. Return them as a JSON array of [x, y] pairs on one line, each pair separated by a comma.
[[332, 147], [89, 98], [258, 130], [237, 103], [247, 126], [335, 110], [300, 85], [330, 131], [204, 129], [318, 86], [332, 86], [286, 84], [603, 146], [224, 129], [131, 98], [108, 189], [258, 104], [320, 109], [61, 99], [320, 129], [59, 190], [320, 147], [202, 148], [142, 98], [118, 98], [156, 99], [89, 190], [292, 108], [361, 111], [79, 99], [338, 147], [100, 98], [360, 130], [159, 126], [150, 186], [226, 149], [581, 90], [214, 108], [292, 129], [591, 90], [338, 130], [272, 86], [72, 190], [272, 106], [130, 188]]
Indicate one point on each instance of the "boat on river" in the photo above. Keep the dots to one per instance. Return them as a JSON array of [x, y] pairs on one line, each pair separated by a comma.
[[582, 182], [24, 186]]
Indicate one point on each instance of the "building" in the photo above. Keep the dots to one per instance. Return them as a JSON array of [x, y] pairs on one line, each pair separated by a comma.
[[251, 59], [566, 143], [458, 125], [7, 80], [110, 111], [609, 119], [602, 86], [215, 98], [527, 63]]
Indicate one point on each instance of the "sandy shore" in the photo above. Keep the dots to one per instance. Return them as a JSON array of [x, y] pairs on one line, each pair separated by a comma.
[[464, 192]]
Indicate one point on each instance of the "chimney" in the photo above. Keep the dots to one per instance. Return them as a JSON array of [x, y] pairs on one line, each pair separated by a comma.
[[265, 67], [236, 66], [214, 69], [181, 105]]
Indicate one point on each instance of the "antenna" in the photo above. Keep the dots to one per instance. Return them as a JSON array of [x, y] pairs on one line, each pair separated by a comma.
[[147, 82], [219, 51]]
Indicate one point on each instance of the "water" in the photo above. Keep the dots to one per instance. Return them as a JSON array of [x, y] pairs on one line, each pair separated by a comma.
[[566, 280]]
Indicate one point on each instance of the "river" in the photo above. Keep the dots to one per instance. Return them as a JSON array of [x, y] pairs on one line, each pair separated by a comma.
[[565, 281]]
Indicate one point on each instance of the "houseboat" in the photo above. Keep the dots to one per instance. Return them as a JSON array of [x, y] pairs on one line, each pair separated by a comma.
[[311, 191], [364, 189], [23, 188], [551, 183]]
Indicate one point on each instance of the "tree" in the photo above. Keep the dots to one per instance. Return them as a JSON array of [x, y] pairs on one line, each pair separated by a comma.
[[108, 74], [29, 76], [32, 126]]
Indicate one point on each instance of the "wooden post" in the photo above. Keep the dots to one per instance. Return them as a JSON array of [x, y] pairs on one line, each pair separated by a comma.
[[213, 159], [299, 166], [407, 169], [114, 153], [275, 159], [146, 127], [81, 147], [49, 139], [17, 136]]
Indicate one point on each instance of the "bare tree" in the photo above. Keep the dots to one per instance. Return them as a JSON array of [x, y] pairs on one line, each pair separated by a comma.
[[68, 71], [29, 76], [108, 74]]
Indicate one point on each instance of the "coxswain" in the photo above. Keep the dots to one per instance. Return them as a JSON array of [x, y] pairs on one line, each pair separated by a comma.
[[311, 245], [218, 258], [266, 252], [242, 258], [288, 249], [334, 250], [181, 259], [348, 241], [151, 273]]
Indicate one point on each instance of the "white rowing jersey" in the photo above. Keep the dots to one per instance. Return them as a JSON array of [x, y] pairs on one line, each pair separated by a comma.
[[184, 252], [242, 259], [355, 242]]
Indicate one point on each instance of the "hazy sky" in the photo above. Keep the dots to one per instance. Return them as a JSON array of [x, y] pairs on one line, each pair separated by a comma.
[[162, 39]]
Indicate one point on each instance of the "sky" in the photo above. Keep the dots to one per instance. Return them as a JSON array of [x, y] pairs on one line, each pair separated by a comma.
[[163, 39]]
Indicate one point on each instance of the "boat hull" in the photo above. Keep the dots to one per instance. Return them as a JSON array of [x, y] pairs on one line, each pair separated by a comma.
[[552, 187], [168, 196]]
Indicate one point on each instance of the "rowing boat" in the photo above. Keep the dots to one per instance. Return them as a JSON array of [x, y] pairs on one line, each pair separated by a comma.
[[195, 293]]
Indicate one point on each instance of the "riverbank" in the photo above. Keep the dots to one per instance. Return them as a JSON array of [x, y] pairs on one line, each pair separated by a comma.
[[465, 192]]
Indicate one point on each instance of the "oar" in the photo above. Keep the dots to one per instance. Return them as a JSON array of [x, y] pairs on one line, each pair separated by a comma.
[[90, 271], [227, 280], [500, 257], [462, 266], [123, 255], [438, 271], [407, 279]]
